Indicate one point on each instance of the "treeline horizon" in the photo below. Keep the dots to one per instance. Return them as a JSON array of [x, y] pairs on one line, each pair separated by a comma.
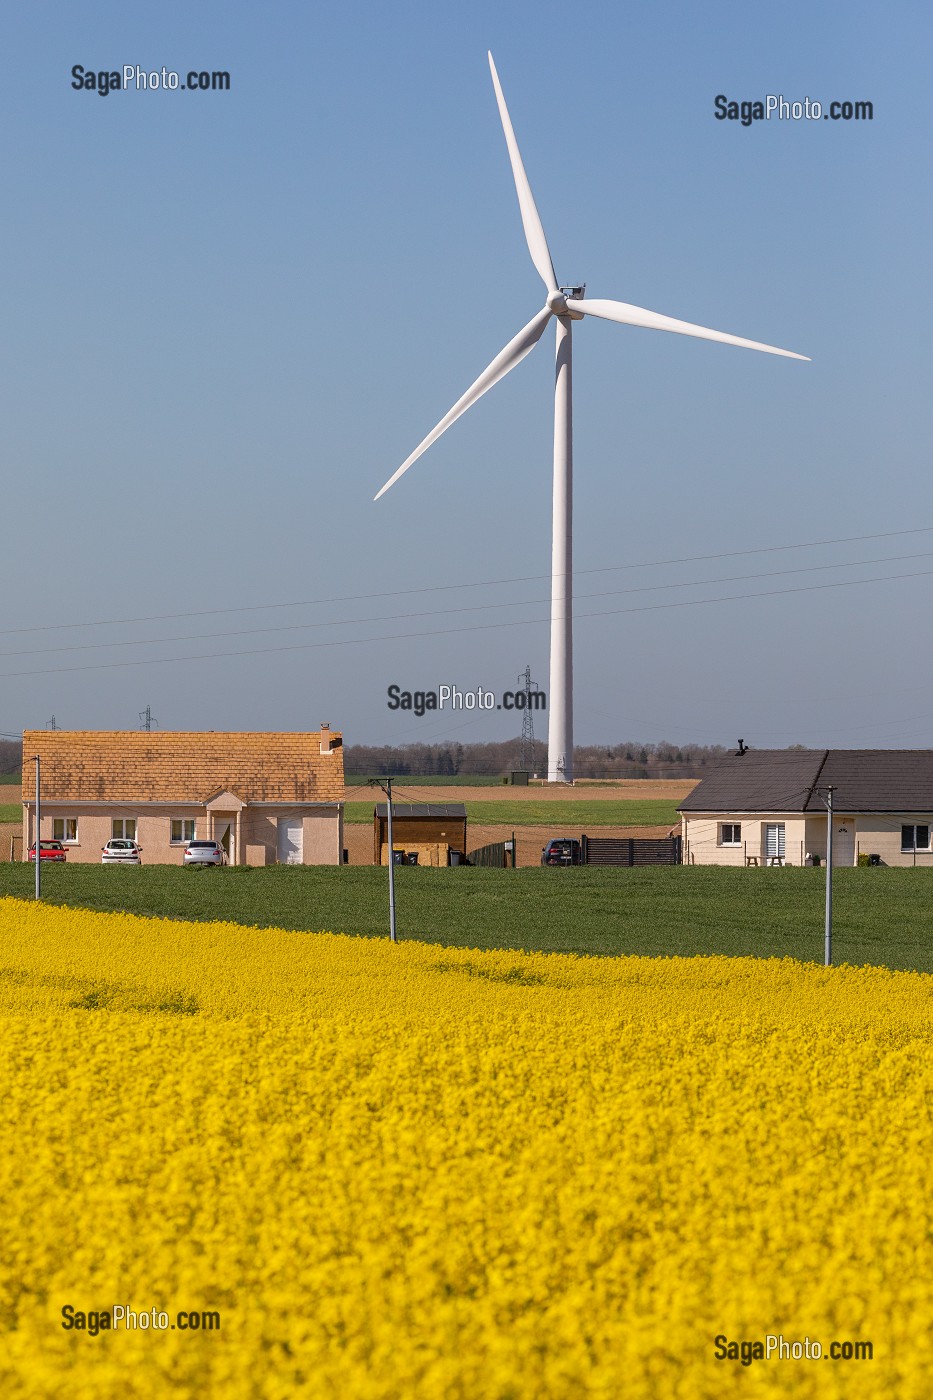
[[11, 755], [627, 760]]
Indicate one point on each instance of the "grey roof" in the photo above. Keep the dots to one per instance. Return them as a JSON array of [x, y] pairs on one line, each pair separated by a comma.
[[877, 780], [759, 780], [783, 780], [422, 809]]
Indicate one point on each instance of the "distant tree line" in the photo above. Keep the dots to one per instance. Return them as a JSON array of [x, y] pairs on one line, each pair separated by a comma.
[[631, 760], [11, 755]]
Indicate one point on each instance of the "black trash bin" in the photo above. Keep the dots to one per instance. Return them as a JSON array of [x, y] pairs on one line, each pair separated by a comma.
[[412, 857], [398, 857]]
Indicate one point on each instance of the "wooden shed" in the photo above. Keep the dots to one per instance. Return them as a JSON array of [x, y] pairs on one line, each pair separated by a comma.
[[436, 833]]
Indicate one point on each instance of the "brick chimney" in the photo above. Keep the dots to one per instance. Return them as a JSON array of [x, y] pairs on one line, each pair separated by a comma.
[[325, 738]]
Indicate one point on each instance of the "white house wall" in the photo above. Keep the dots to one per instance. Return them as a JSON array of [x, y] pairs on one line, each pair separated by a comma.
[[703, 844], [881, 835], [803, 836]]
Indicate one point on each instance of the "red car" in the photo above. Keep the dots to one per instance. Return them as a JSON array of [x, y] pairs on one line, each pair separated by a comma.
[[48, 850]]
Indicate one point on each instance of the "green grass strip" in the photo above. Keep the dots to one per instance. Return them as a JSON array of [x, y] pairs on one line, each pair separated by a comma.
[[881, 916]]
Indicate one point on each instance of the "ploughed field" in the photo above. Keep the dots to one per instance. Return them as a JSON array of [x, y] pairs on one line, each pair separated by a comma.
[[448, 1173], [670, 791]]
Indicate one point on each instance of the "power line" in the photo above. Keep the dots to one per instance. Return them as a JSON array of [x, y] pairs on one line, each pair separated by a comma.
[[469, 608], [454, 631], [447, 587]]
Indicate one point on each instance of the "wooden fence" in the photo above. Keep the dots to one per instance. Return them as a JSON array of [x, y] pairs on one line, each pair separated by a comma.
[[500, 855], [630, 850]]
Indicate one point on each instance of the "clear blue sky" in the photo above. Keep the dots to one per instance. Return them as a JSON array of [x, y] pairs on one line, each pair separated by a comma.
[[228, 317]]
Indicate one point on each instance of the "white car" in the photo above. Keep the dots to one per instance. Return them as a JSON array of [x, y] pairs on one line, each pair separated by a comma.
[[120, 852], [204, 853]]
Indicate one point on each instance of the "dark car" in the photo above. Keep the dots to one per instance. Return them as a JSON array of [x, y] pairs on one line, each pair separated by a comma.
[[563, 850], [49, 850]]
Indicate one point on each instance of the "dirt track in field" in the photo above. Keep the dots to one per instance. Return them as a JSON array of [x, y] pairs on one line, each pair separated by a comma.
[[358, 839], [10, 793], [674, 790], [8, 830]]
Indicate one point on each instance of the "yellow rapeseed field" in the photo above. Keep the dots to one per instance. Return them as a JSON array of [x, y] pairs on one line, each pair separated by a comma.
[[415, 1171]]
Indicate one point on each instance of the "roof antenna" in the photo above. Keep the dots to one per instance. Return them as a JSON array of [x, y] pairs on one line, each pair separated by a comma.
[[742, 748]]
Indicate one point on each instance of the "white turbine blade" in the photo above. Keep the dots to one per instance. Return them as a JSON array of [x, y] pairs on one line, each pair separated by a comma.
[[507, 359], [534, 230], [637, 316]]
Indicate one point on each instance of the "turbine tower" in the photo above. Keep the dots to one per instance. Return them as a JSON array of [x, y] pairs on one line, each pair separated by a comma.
[[566, 305]]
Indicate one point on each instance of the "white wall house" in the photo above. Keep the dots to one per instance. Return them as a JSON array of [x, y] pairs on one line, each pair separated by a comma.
[[768, 807]]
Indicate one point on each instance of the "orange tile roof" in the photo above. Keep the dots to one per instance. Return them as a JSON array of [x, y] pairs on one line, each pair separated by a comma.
[[162, 766]]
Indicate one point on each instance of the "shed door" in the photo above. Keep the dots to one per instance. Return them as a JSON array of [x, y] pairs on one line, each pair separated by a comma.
[[774, 841], [290, 841]]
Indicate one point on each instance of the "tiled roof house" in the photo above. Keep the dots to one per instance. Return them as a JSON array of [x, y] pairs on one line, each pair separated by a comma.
[[766, 806], [266, 797]]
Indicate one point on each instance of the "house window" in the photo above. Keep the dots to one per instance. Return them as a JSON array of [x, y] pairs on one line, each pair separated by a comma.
[[123, 828], [182, 830], [730, 834], [915, 838], [65, 828]]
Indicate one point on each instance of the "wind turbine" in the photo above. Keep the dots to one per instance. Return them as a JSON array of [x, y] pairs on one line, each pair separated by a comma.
[[566, 305]]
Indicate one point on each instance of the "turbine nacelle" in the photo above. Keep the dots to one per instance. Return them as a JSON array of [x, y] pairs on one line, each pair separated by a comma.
[[557, 301]]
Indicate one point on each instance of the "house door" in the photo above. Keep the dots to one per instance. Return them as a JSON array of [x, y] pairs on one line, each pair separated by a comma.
[[290, 845], [774, 842], [222, 829], [843, 842]]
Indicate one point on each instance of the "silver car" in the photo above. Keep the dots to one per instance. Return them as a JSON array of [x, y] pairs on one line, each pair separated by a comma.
[[205, 853], [120, 852]]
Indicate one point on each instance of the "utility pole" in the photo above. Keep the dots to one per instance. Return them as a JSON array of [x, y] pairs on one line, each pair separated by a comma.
[[38, 843], [828, 958], [386, 785], [147, 719]]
